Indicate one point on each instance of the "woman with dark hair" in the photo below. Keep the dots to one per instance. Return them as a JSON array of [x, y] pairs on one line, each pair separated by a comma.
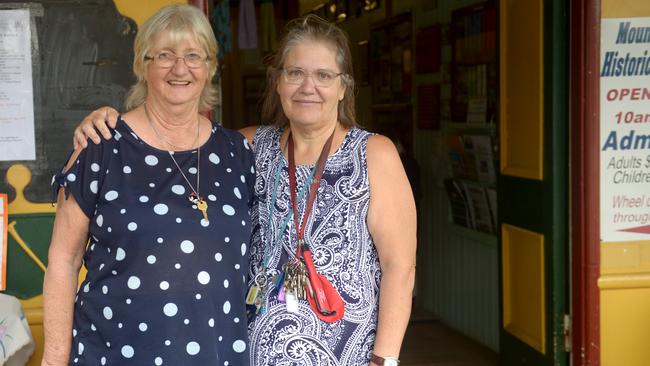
[[334, 236]]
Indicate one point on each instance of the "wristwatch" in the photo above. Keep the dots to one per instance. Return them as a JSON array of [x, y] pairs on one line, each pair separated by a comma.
[[384, 361]]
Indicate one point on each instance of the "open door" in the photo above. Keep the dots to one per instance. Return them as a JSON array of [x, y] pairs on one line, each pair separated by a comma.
[[533, 181]]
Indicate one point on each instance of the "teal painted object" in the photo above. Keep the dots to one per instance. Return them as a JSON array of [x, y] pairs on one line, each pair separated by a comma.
[[24, 276]]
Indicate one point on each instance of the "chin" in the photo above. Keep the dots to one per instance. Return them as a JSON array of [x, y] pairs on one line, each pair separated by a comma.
[[180, 100], [309, 117]]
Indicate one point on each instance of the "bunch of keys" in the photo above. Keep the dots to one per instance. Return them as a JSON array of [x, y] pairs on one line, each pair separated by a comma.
[[293, 284], [257, 294]]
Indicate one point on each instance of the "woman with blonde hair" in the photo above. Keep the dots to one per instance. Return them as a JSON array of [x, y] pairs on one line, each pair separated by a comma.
[[164, 206]]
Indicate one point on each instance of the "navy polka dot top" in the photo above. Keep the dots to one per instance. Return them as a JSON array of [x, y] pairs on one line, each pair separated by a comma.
[[164, 286]]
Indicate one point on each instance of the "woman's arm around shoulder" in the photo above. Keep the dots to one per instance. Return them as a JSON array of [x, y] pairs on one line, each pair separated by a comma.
[[392, 223], [97, 122]]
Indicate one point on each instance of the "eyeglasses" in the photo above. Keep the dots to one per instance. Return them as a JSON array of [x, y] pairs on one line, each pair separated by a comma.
[[296, 76], [169, 59]]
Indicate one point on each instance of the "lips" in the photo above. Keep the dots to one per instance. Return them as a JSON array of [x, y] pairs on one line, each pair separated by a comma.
[[178, 83]]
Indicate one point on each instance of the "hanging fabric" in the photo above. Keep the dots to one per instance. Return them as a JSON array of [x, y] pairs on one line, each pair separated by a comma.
[[268, 42], [221, 19], [247, 36]]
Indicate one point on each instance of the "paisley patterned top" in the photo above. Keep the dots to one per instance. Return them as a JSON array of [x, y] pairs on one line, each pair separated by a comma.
[[343, 251]]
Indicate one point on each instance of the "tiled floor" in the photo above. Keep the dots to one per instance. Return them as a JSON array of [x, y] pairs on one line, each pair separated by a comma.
[[430, 343]]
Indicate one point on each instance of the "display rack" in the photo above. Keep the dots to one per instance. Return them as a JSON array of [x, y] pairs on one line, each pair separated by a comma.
[[391, 77], [471, 134]]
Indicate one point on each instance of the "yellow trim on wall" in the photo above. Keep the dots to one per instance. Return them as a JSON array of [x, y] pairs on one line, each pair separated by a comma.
[[522, 88], [624, 323], [630, 257], [624, 8], [624, 285], [141, 10], [524, 295], [19, 176]]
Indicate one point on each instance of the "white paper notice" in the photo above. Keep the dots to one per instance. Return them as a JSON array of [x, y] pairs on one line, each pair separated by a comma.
[[625, 129], [16, 92], [3, 241]]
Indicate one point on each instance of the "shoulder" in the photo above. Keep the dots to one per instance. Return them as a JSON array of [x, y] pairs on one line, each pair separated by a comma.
[[249, 133], [241, 149], [106, 147], [235, 138], [384, 163], [380, 149]]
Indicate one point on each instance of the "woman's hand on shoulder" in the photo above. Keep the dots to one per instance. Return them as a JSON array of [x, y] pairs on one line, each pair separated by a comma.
[[98, 121]]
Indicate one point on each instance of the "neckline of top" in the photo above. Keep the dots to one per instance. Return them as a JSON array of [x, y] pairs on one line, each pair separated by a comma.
[[338, 151], [121, 123]]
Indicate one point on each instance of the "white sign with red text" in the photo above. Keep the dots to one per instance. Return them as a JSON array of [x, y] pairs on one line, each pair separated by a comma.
[[625, 129]]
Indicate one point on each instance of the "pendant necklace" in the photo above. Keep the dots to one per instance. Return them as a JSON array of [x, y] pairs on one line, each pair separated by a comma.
[[195, 198]]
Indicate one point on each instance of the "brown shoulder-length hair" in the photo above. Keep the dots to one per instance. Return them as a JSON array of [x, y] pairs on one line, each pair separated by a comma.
[[310, 28]]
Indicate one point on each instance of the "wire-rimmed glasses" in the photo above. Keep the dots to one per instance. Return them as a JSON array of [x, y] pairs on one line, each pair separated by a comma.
[[192, 60], [321, 77]]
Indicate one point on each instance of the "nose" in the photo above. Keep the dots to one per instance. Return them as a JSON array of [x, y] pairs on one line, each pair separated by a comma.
[[179, 66], [308, 83]]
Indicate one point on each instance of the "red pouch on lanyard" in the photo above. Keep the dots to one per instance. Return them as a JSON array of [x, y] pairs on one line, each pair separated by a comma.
[[322, 296]]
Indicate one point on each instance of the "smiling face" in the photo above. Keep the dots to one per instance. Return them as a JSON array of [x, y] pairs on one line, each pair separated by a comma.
[[307, 103], [178, 84]]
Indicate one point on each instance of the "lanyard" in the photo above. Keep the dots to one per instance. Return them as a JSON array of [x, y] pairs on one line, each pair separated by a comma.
[[313, 188], [268, 250]]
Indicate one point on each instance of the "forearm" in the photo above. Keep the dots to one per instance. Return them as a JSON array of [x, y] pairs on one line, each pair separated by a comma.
[[59, 290], [395, 297]]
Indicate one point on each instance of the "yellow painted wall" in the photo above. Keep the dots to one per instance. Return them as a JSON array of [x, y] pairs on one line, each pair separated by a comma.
[[625, 303], [140, 10], [625, 267]]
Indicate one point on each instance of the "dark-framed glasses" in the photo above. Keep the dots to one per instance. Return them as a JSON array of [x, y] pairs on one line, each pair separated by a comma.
[[321, 77], [168, 59]]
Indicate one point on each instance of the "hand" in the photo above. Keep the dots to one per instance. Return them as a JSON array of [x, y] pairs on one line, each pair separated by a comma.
[[99, 120]]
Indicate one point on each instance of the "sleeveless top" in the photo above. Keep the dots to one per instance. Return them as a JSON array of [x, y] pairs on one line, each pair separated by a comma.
[[164, 286], [342, 248]]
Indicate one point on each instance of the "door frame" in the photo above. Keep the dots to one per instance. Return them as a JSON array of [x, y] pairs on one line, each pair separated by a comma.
[[585, 160]]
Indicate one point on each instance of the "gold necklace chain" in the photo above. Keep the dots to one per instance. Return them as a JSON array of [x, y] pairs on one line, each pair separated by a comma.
[[171, 155]]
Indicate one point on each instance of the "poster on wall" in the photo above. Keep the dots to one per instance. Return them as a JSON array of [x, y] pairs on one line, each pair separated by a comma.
[[625, 129], [3, 241], [16, 91]]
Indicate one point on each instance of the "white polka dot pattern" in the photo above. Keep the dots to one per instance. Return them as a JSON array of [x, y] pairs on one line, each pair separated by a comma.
[[157, 266]]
